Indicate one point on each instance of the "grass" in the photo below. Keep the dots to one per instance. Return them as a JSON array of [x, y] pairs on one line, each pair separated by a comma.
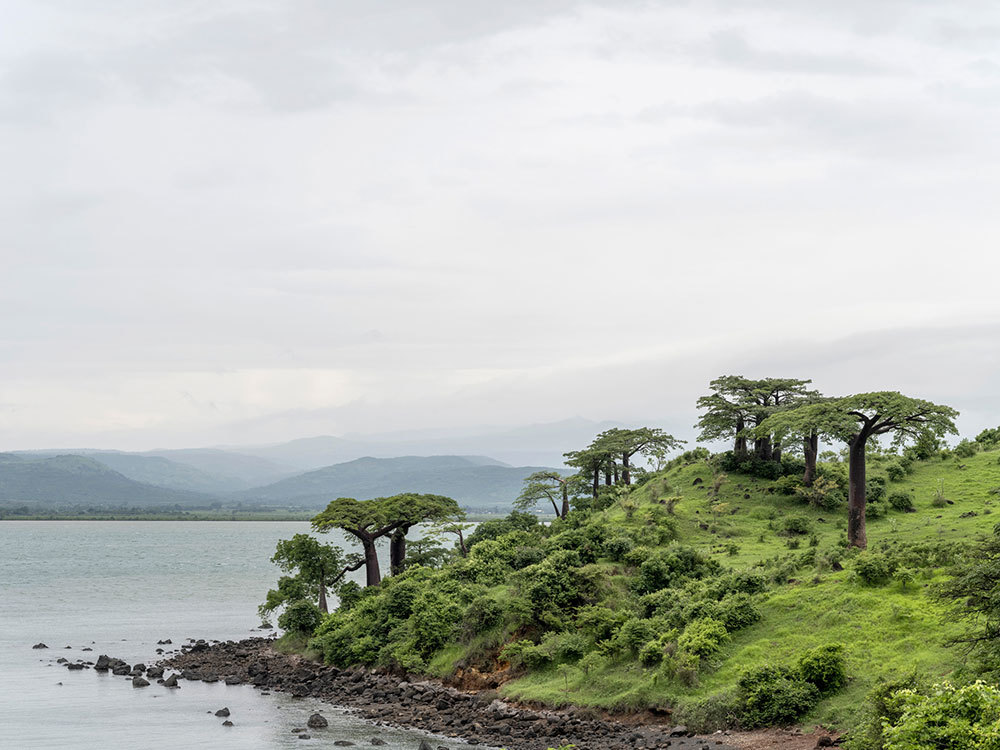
[[886, 630]]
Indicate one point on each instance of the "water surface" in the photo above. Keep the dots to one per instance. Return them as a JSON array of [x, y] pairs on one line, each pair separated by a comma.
[[118, 587]]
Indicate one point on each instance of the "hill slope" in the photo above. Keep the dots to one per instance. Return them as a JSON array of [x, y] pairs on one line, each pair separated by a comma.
[[61, 481], [474, 481]]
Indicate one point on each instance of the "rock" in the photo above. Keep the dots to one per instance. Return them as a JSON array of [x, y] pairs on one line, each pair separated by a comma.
[[154, 672], [343, 743], [166, 642], [103, 663], [76, 666], [139, 668], [139, 682], [122, 670], [61, 660], [266, 626], [303, 736], [378, 741], [222, 712], [39, 645], [679, 731], [317, 721], [424, 745], [88, 648], [824, 742], [171, 682], [227, 723]]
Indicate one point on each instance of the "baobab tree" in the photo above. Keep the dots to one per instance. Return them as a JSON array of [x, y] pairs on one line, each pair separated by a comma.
[[314, 566], [546, 485], [856, 419], [627, 443]]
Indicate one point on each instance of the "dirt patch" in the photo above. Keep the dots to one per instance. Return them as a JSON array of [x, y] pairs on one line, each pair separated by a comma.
[[783, 739]]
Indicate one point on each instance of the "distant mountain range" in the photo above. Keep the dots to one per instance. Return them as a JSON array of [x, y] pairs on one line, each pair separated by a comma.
[[481, 470], [474, 481], [47, 481]]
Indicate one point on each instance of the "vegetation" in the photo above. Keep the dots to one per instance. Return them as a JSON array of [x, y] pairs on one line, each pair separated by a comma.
[[723, 587]]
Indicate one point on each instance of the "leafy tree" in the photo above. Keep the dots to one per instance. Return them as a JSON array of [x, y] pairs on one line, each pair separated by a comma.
[[591, 462], [645, 441], [546, 485], [738, 405], [854, 420], [409, 509], [365, 520], [315, 566]]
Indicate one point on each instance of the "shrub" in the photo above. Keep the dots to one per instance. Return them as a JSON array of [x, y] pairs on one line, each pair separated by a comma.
[[702, 637], [300, 617], [895, 471], [875, 510], [902, 501], [651, 654], [773, 696], [526, 655], [824, 667], [736, 611], [796, 525], [481, 615], [665, 568], [880, 709], [618, 547], [787, 485], [875, 488], [873, 568], [633, 635], [719, 711], [966, 717], [965, 449], [600, 623]]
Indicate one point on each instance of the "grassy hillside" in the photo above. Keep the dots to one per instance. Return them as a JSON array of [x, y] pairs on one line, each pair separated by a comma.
[[473, 481], [571, 614], [887, 630], [63, 481]]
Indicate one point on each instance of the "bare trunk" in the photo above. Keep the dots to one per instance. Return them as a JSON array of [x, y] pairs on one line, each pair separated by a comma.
[[776, 454], [322, 595], [740, 448], [856, 500], [373, 577], [810, 446], [763, 448], [608, 478], [461, 544], [397, 550], [565, 500], [626, 475], [597, 481]]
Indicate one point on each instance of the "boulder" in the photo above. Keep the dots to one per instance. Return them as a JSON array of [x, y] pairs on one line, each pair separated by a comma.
[[139, 682], [76, 666], [39, 645], [679, 731], [103, 663], [222, 712], [227, 723], [317, 721], [171, 682], [154, 673], [378, 741]]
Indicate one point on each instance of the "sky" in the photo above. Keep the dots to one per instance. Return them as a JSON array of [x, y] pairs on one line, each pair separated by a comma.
[[254, 220]]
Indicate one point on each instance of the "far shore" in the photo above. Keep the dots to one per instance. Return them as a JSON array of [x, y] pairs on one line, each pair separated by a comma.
[[305, 515]]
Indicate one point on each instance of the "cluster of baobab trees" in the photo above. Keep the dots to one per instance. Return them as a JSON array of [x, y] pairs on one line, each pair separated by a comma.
[[760, 416]]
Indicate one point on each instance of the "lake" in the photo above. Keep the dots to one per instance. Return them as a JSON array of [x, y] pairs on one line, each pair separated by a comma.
[[118, 587]]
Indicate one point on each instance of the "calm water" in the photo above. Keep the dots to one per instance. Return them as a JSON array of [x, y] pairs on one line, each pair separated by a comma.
[[118, 588]]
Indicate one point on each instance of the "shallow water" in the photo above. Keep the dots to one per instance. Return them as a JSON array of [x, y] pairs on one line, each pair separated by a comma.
[[118, 587]]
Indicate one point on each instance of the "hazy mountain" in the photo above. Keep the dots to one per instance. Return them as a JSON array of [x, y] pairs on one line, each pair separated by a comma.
[[474, 481], [58, 481], [237, 468], [163, 472], [536, 445]]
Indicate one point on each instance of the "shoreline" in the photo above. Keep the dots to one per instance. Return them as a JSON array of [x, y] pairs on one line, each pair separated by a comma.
[[476, 718]]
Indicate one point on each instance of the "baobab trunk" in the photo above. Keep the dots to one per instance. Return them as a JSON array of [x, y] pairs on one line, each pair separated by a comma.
[[373, 577], [810, 447], [607, 477], [776, 453], [740, 448], [397, 551], [565, 500], [322, 595], [597, 481], [763, 449], [626, 475], [857, 497]]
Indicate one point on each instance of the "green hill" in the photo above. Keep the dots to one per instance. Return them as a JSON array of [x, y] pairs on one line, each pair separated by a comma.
[[609, 608], [474, 481], [70, 480]]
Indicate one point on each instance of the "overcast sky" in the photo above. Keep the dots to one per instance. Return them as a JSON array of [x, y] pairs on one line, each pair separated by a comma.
[[252, 220]]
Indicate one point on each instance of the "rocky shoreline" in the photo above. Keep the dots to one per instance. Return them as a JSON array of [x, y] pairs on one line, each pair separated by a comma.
[[387, 700]]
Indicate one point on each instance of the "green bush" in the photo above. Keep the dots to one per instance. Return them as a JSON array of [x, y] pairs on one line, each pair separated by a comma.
[[895, 471], [873, 568], [484, 613], [618, 547], [880, 709], [875, 489], [796, 525], [946, 717], [902, 501], [633, 635], [300, 617], [825, 667], [526, 655], [774, 696], [875, 510], [965, 449], [702, 637], [787, 485]]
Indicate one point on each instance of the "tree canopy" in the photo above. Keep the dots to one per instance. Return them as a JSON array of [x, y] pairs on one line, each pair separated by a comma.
[[853, 420]]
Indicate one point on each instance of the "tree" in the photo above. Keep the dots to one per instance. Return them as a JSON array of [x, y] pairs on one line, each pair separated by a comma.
[[591, 462], [314, 567], [546, 485], [738, 405], [854, 420], [410, 509], [627, 443], [365, 520]]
